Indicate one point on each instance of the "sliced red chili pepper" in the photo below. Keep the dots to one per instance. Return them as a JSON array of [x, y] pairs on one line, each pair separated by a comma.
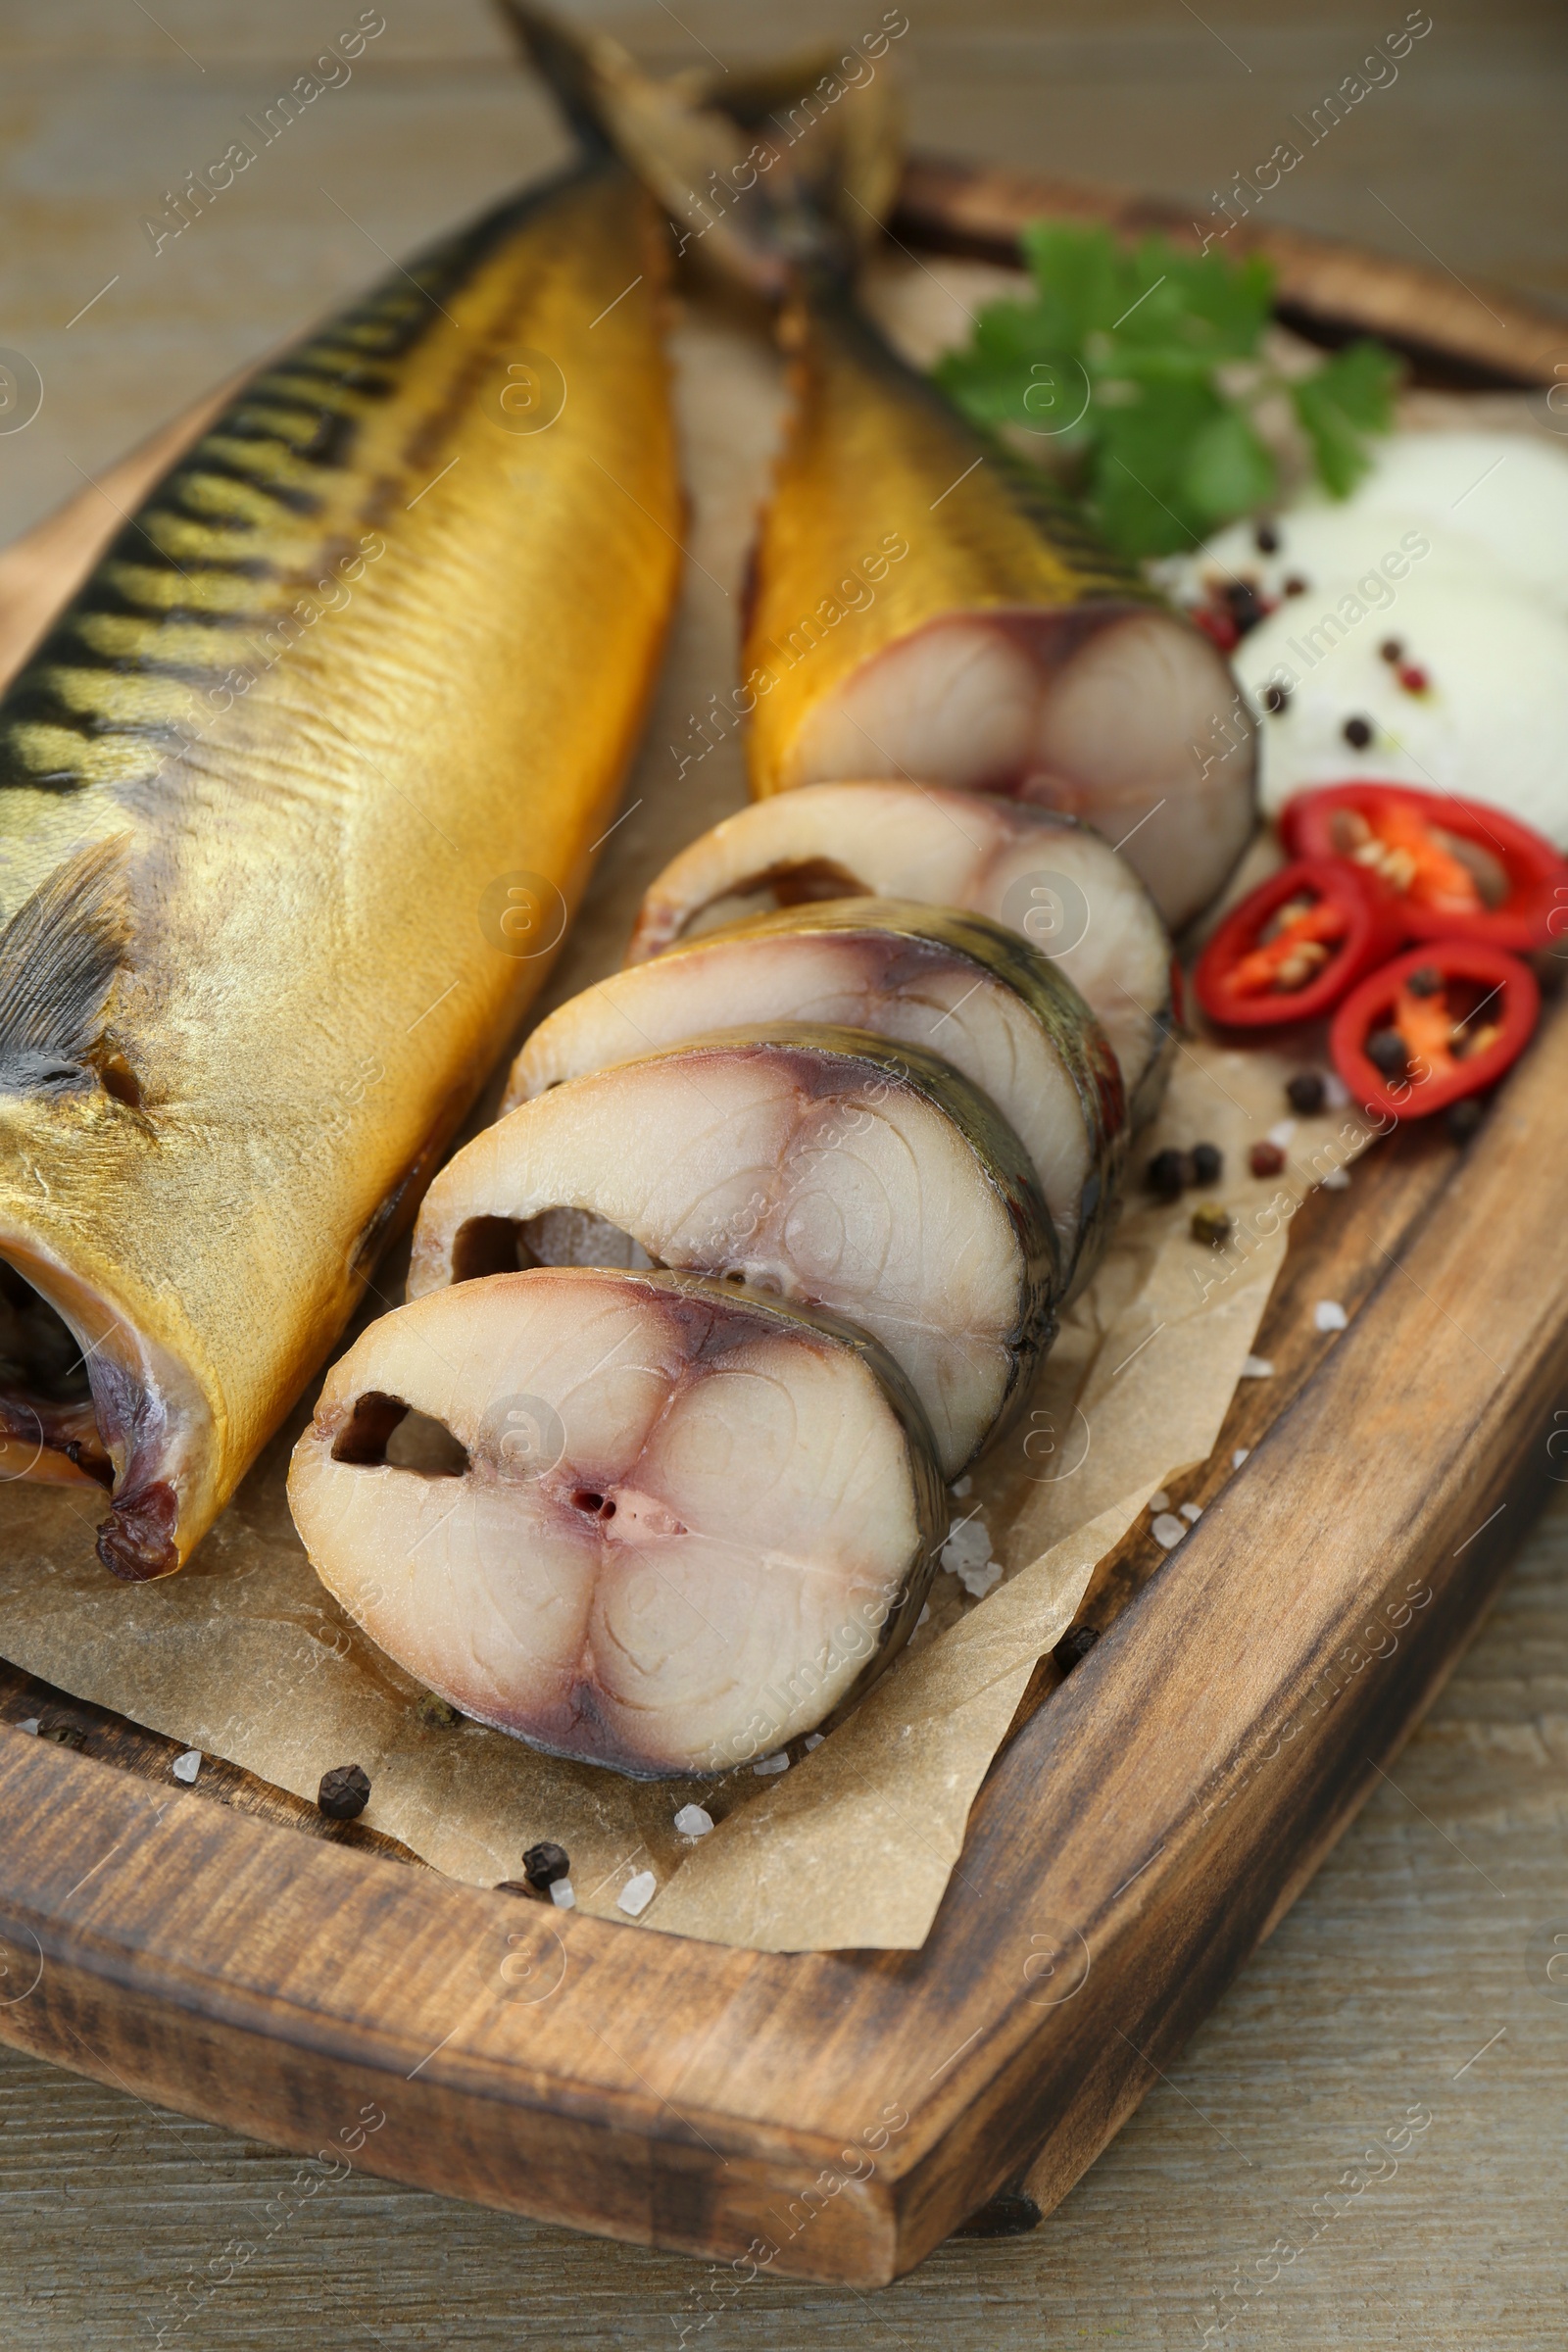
[[1439, 1022], [1457, 868], [1294, 946]]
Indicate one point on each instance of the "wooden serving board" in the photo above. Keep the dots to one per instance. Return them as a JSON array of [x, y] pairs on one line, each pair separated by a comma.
[[1151, 1816]]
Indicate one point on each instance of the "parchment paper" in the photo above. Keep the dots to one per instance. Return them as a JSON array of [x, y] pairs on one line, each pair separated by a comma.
[[245, 1656]]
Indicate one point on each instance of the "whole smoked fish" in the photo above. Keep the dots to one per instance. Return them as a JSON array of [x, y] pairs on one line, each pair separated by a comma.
[[295, 799], [924, 603]]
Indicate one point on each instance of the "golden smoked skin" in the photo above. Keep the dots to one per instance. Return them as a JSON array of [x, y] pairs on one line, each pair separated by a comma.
[[888, 512], [297, 837]]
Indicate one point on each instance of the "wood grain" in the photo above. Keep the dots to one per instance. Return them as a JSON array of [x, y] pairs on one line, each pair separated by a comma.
[[686, 2095], [116, 1973]]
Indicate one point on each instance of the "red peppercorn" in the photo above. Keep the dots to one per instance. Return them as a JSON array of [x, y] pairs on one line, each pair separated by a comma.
[[1413, 679], [1265, 1159]]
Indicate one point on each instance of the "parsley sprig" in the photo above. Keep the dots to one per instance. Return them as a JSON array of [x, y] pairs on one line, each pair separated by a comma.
[[1139, 372]]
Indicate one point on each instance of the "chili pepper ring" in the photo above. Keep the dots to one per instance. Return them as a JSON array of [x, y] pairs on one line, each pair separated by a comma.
[[1292, 947], [1438, 1024]]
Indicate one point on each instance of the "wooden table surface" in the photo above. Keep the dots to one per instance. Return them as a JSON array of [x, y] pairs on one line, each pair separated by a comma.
[[1412, 1971]]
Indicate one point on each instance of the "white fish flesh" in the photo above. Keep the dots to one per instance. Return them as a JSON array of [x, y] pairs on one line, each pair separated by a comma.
[[676, 1524], [818, 1165], [1039, 873], [1006, 1018]]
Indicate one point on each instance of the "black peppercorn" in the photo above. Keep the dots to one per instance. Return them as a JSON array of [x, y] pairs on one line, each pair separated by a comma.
[[1463, 1117], [544, 1864], [1358, 733], [345, 1792], [1295, 585], [1427, 982], [1304, 1093], [1387, 1052], [1392, 649], [1266, 539], [1074, 1645], [1169, 1174], [1245, 605], [1276, 699], [1208, 1163]]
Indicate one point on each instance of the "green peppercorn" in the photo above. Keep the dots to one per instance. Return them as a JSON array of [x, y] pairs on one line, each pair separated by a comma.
[[1212, 1223]]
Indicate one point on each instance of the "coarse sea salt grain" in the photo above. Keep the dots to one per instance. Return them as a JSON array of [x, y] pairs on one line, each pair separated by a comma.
[[967, 1554], [1337, 1180], [1191, 1512], [1168, 1530], [31, 1724], [1159, 1502], [693, 1821], [1240, 1456], [813, 1739], [926, 1613], [1336, 1094], [562, 1894], [637, 1894], [961, 1487], [766, 1764], [1258, 1367], [186, 1767], [1330, 1315], [1281, 1133]]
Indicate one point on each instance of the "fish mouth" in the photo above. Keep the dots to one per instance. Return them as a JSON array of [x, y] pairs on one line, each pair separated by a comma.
[[87, 1400]]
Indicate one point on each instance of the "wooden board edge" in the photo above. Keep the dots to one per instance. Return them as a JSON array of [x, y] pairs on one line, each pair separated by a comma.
[[1230, 1853], [1024, 2082], [876, 2232], [1473, 336]]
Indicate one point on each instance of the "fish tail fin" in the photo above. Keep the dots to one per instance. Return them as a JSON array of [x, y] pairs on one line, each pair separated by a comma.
[[59, 954], [785, 172]]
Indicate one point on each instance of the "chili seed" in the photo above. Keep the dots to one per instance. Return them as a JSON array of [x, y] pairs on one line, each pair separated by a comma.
[[1463, 1117], [1385, 1051], [1074, 1646], [1208, 1163], [345, 1792], [1266, 539], [1358, 733], [1212, 1223], [1392, 650], [1427, 982], [1265, 1159], [512, 1886], [1169, 1174], [1304, 1093], [1276, 699], [544, 1863]]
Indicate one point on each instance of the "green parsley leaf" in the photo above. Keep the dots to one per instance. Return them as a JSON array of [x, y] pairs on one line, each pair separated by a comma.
[[1338, 406], [1112, 370]]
